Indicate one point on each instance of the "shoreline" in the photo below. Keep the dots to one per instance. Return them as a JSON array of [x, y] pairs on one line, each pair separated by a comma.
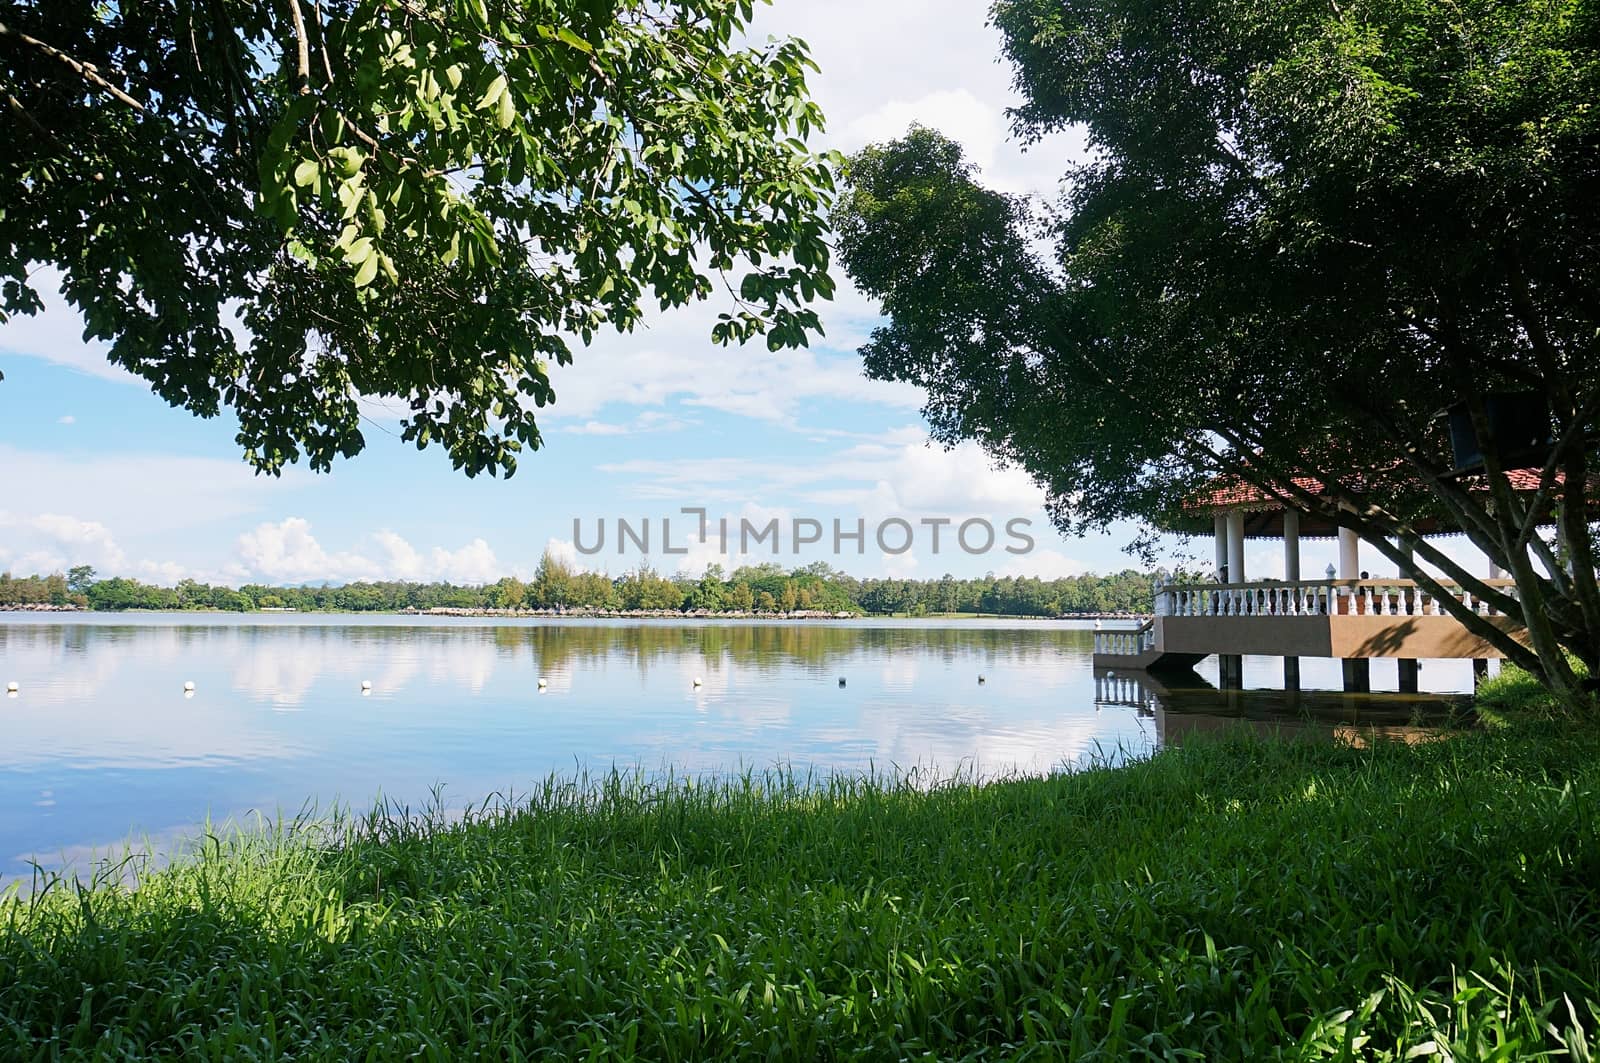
[[575, 614]]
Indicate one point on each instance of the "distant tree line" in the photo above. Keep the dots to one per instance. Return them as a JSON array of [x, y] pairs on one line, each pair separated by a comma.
[[764, 588]]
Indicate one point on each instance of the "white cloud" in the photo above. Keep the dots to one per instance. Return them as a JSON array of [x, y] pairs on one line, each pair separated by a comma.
[[55, 334], [66, 419], [54, 542], [898, 476], [647, 421], [900, 566], [889, 63], [598, 428], [956, 113], [1046, 564], [288, 552], [474, 563], [166, 573], [674, 360], [401, 559], [564, 551], [153, 493]]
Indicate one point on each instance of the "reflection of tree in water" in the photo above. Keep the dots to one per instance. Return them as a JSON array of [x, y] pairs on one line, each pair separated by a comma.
[[555, 646], [762, 646]]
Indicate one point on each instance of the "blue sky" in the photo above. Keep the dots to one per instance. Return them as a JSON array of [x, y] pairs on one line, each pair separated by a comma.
[[95, 469]]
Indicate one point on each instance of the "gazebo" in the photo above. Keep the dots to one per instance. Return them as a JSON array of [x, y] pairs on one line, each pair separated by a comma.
[[1341, 613]]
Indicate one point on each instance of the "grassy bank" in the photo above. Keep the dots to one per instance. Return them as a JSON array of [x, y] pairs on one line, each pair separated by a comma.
[[1516, 695], [1227, 899]]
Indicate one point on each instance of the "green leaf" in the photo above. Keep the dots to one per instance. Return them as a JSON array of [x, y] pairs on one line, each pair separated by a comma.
[[368, 270], [306, 172], [573, 39], [359, 251], [491, 95]]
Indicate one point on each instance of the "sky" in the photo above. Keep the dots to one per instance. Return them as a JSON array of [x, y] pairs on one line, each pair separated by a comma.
[[95, 469]]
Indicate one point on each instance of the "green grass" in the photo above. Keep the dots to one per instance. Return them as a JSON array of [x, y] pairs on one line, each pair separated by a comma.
[[1516, 694], [1234, 898]]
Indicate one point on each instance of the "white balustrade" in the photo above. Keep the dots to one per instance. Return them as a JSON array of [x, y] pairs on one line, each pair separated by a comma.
[[1392, 597], [1125, 643]]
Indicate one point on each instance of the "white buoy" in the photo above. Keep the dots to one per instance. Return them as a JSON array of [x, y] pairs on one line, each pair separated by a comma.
[[698, 681], [189, 686], [12, 688], [366, 684], [543, 682]]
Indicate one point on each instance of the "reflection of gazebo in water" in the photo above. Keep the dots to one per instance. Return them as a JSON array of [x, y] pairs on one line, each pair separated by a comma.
[[1181, 706], [1340, 615]]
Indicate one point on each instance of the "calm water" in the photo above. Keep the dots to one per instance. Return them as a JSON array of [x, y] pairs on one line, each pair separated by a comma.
[[103, 743]]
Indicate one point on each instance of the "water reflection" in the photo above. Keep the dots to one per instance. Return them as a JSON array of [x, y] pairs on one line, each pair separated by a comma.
[[104, 743], [1182, 706]]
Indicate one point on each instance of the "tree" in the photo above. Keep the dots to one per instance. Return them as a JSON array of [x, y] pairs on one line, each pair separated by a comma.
[[1304, 230], [509, 593], [80, 578], [552, 582], [281, 208], [708, 592], [644, 588]]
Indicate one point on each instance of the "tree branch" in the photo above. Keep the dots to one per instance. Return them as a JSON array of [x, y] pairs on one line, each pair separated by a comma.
[[302, 49], [87, 71]]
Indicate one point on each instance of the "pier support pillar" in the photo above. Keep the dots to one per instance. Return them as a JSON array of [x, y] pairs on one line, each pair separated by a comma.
[[1409, 675], [1230, 671], [1291, 673], [1357, 675]]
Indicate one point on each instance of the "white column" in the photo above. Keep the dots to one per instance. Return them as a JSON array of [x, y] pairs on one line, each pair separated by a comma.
[[1236, 546], [1291, 544], [1220, 527], [1349, 554]]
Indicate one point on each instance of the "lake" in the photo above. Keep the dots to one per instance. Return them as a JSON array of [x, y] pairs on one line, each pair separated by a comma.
[[103, 743]]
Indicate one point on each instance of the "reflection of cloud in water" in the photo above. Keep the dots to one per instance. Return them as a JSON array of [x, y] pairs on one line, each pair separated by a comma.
[[987, 742], [457, 703], [282, 669], [126, 859]]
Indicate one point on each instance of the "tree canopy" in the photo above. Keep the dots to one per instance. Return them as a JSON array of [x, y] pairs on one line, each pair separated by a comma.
[[767, 587], [281, 208], [1301, 231]]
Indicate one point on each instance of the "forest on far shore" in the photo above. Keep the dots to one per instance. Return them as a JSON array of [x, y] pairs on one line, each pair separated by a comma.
[[764, 588]]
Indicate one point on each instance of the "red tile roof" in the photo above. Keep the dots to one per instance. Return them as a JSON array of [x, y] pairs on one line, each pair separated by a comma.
[[1237, 494]]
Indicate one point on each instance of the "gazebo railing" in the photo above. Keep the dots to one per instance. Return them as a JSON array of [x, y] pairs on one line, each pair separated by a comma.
[[1370, 597], [1126, 643], [1123, 690]]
